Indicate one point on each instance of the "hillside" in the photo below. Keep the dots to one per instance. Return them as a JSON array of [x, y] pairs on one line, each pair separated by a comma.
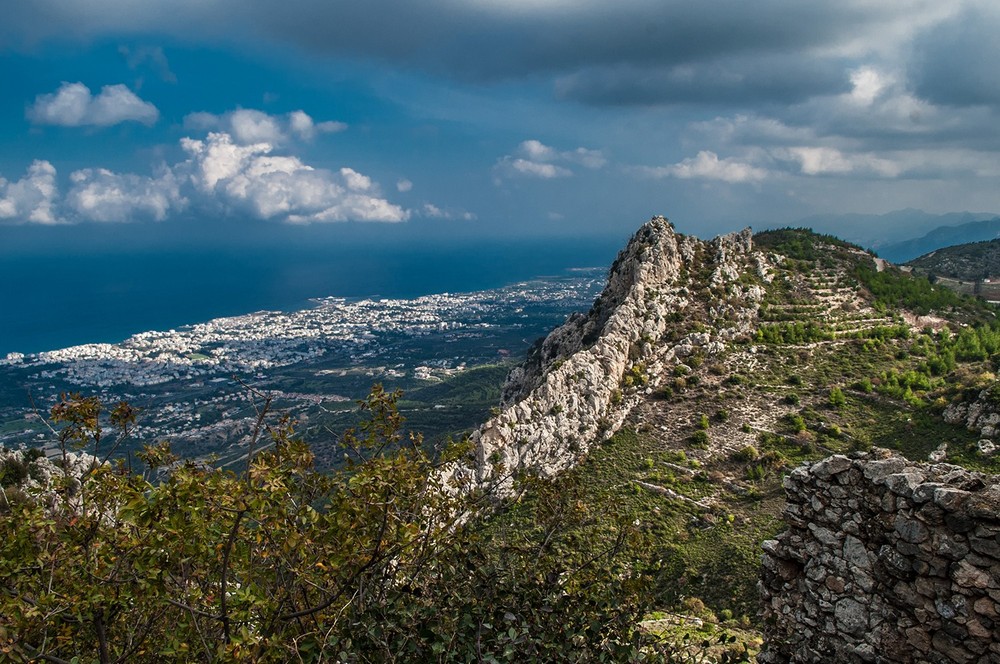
[[972, 261], [627, 478], [899, 227], [676, 307]]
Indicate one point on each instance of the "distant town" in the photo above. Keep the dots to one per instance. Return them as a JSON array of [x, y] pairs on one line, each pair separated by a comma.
[[194, 383]]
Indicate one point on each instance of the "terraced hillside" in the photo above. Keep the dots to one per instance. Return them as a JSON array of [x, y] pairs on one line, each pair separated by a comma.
[[971, 269]]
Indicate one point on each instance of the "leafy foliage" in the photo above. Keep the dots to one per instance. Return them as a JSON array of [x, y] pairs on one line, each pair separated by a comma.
[[792, 333], [384, 561]]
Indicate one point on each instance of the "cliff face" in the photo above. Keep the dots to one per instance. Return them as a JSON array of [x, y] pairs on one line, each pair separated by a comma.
[[580, 383]]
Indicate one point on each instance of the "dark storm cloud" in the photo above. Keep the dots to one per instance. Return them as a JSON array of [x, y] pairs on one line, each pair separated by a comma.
[[490, 41], [633, 51], [764, 79], [956, 63]]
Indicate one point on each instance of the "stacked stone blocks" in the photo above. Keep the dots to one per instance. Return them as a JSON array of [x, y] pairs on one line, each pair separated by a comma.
[[884, 560]]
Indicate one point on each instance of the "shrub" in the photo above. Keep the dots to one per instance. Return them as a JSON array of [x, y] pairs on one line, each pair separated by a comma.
[[664, 393], [795, 422], [699, 439], [279, 562], [864, 385], [746, 455]]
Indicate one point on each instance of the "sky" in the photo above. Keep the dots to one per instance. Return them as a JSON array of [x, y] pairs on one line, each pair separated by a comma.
[[185, 119]]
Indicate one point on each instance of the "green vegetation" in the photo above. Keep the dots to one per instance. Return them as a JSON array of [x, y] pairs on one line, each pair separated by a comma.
[[801, 243], [893, 289], [792, 333], [375, 563], [837, 398], [969, 262], [273, 560], [699, 439]]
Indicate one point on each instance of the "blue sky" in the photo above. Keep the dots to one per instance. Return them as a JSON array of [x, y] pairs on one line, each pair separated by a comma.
[[492, 118]]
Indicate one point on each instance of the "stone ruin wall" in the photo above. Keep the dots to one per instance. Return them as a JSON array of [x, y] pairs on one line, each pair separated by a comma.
[[884, 560]]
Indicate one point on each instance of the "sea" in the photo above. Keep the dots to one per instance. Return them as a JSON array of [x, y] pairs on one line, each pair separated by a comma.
[[64, 298]]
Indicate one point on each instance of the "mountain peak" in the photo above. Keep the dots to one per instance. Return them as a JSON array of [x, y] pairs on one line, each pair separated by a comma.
[[667, 295]]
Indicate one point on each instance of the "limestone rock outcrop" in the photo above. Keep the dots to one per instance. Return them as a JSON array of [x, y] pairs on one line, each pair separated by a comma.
[[574, 389], [981, 414]]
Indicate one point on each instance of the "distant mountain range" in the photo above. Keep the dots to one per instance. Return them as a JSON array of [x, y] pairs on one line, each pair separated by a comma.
[[902, 235], [946, 236]]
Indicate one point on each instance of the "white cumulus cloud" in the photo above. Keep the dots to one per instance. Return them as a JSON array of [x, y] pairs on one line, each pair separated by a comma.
[[586, 158], [708, 166], [831, 161], [73, 105], [269, 186], [303, 126], [249, 126], [220, 175], [432, 211], [32, 198], [537, 151], [535, 159], [867, 83], [537, 169], [98, 194]]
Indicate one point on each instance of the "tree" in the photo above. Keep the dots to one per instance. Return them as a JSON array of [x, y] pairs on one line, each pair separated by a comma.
[[381, 562], [837, 398]]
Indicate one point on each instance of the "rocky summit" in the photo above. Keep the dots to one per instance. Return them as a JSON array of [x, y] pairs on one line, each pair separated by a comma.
[[582, 380]]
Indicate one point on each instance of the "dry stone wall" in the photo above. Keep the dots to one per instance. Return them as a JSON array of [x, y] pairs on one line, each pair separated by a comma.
[[884, 560]]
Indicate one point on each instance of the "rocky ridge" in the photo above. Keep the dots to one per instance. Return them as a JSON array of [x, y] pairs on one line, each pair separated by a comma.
[[27, 472], [583, 379]]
